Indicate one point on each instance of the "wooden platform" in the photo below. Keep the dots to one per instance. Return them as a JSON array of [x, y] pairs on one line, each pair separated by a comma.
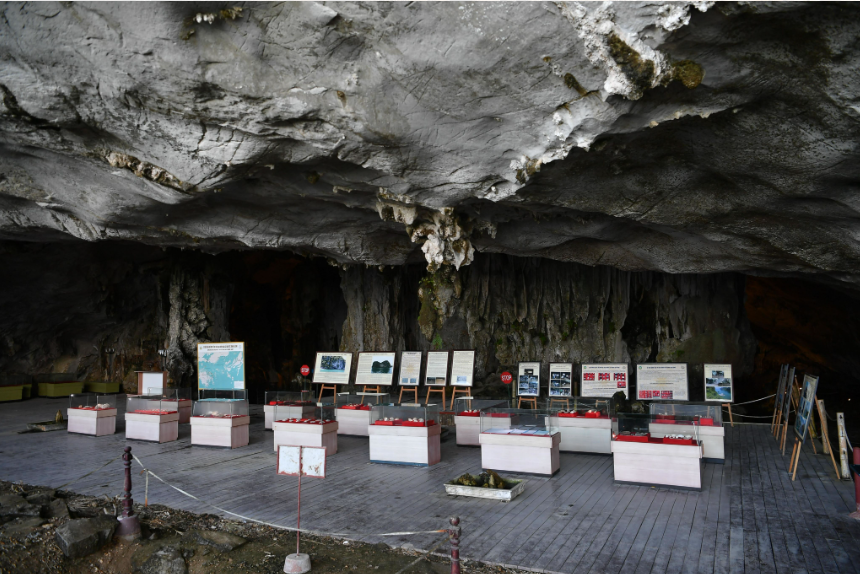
[[749, 516]]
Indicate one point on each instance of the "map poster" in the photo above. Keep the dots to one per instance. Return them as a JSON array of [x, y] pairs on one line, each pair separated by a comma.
[[804, 410], [437, 369], [462, 368], [604, 380], [528, 380], [374, 369], [662, 381], [221, 366], [410, 368], [718, 383], [560, 379], [332, 368]]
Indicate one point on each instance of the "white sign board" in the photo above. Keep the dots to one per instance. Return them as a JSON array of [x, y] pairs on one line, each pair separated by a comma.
[[332, 368], [312, 460], [410, 368], [718, 383], [374, 369], [604, 380], [662, 381], [437, 369], [462, 368]]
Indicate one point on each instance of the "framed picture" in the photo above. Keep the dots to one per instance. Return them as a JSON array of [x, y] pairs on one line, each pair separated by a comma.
[[332, 368], [718, 384], [221, 366], [604, 380], [410, 368], [786, 401], [528, 380], [436, 374], [804, 409], [462, 368], [560, 379], [662, 381], [780, 389], [375, 368]]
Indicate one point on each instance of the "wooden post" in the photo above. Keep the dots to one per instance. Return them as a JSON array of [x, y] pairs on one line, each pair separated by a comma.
[[729, 406], [795, 462], [843, 445], [455, 390], [454, 532], [409, 390], [435, 390], [129, 524], [825, 435]]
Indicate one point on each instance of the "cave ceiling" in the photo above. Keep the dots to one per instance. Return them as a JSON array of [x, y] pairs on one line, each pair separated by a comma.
[[678, 137]]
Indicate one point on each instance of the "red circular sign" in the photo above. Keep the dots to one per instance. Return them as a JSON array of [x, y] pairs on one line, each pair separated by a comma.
[[507, 378], [306, 370]]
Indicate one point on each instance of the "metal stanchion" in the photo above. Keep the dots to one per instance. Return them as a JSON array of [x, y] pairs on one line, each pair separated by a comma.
[[129, 525], [454, 531]]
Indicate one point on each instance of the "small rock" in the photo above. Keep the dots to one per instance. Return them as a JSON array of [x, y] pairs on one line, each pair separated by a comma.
[[14, 505], [223, 541], [22, 527], [57, 509], [166, 560], [205, 552], [83, 536], [41, 498]]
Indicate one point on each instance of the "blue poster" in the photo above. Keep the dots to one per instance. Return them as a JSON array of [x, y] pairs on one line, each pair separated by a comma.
[[804, 410], [221, 366]]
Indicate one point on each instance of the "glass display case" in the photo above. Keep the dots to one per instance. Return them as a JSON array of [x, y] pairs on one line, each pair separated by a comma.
[[639, 427], [704, 414], [469, 407], [361, 401], [209, 394], [92, 401], [182, 394], [321, 414], [220, 408], [506, 421], [289, 398], [149, 405], [407, 416], [583, 407]]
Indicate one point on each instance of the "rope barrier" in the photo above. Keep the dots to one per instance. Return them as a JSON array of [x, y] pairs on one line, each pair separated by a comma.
[[755, 400], [420, 558], [751, 416]]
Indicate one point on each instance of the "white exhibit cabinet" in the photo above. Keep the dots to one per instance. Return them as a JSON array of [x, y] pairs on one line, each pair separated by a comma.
[[292, 404], [305, 434], [92, 422], [467, 420], [155, 427], [353, 421], [582, 434], [220, 422], [661, 464], [711, 438], [676, 417], [519, 440], [294, 411], [407, 435]]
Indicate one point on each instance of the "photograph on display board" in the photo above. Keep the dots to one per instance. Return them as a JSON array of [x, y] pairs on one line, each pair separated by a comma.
[[718, 383], [662, 381], [410, 368], [603, 380], [462, 368], [332, 368], [376, 368], [221, 366], [804, 410], [560, 379], [528, 380], [786, 402], [437, 369]]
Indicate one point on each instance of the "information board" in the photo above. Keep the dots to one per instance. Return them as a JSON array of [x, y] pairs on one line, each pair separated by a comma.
[[718, 384], [410, 368], [375, 369], [462, 368], [310, 460], [221, 366], [804, 409], [604, 380], [662, 381], [528, 380], [332, 368], [437, 369], [560, 379]]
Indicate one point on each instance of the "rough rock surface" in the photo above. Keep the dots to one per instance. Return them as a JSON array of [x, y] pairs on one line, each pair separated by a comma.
[[223, 541], [83, 536], [167, 560], [680, 137]]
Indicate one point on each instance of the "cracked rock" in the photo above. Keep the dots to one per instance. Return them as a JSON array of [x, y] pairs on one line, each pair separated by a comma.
[[83, 536], [223, 541]]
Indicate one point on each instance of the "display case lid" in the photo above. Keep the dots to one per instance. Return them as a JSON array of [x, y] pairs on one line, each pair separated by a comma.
[[656, 429], [471, 407]]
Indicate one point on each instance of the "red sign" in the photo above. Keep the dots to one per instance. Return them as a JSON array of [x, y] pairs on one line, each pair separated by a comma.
[[305, 370], [507, 378]]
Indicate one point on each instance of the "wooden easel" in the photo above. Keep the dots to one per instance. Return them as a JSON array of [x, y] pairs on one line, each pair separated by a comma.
[[729, 406], [793, 401], [435, 390], [532, 400], [366, 387], [564, 400], [454, 391], [825, 438], [408, 390], [329, 387], [795, 459]]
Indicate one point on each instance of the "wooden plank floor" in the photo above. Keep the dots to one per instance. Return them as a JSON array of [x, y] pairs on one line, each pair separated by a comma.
[[749, 517]]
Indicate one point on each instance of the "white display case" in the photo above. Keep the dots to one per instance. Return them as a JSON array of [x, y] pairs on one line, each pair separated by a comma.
[[92, 414], [298, 404], [519, 440], [149, 418], [180, 399], [674, 459], [708, 417], [220, 422], [317, 429], [407, 435], [585, 425], [467, 419], [353, 411]]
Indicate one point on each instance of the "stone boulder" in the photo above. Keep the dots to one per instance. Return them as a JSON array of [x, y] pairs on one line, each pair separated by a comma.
[[12, 505], [167, 560], [83, 536], [223, 541]]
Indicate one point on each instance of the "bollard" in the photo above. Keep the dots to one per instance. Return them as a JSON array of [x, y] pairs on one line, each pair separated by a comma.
[[455, 545], [129, 525], [856, 513]]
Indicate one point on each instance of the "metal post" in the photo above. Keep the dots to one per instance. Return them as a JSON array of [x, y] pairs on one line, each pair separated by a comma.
[[299, 519], [129, 525], [455, 544], [856, 513]]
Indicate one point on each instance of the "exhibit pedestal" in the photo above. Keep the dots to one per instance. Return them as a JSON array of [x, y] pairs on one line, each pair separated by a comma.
[[155, 428], [291, 412], [583, 434], [532, 454], [183, 407], [658, 464], [468, 429], [416, 446], [712, 438], [92, 422], [220, 431], [11, 393], [101, 388], [353, 421], [304, 434], [60, 389]]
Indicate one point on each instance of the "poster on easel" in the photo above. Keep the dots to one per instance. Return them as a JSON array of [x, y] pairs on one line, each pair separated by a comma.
[[786, 401], [528, 380], [804, 409], [375, 369], [662, 381], [560, 379], [436, 374], [718, 384], [780, 389], [410, 368], [332, 368], [221, 366], [462, 368], [603, 380]]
